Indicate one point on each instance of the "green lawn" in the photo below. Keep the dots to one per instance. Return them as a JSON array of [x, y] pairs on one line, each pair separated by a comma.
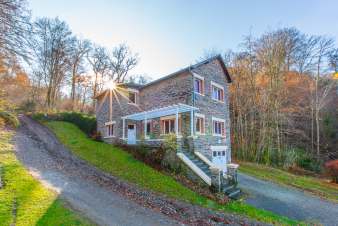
[[24, 197], [311, 184], [121, 164]]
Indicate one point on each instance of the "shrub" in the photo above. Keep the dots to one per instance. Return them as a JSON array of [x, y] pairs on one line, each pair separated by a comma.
[[307, 161], [9, 118], [85, 122], [332, 169]]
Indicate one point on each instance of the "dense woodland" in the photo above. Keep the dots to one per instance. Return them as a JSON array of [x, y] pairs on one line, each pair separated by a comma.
[[284, 104]]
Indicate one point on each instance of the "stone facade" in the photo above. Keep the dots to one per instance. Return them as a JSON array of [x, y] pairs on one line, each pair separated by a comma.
[[173, 89]]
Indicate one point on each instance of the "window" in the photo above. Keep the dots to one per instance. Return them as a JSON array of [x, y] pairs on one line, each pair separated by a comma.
[[198, 84], [148, 128], [218, 127], [168, 125], [218, 153], [132, 97], [199, 126], [110, 130], [217, 92]]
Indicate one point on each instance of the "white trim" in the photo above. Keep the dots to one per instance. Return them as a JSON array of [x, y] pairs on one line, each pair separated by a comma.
[[198, 76], [217, 85], [109, 123], [212, 126], [133, 90], [194, 168], [108, 137], [204, 159], [198, 115], [218, 148], [160, 112], [217, 119], [152, 140]]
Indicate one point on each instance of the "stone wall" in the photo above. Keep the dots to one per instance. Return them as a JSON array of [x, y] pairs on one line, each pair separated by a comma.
[[212, 108], [169, 91]]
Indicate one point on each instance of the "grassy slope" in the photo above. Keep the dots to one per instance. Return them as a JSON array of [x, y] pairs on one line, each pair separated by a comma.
[[310, 184], [119, 163], [35, 205]]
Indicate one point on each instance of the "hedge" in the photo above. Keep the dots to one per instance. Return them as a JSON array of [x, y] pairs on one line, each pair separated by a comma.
[[86, 123]]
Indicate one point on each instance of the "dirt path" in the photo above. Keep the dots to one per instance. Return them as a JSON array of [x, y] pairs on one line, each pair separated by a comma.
[[289, 202], [104, 199]]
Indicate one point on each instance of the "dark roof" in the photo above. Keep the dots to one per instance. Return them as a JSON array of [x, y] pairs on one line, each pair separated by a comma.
[[189, 68]]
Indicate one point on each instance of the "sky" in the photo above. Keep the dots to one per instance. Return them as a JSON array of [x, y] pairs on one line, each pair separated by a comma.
[[171, 34]]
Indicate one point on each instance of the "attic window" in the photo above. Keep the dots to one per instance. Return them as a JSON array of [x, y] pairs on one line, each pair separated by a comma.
[[132, 96]]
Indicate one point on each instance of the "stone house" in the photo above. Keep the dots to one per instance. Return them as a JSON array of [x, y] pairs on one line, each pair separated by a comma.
[[191, 103]]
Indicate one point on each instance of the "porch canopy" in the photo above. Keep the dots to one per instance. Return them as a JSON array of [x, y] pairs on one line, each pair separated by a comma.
[[160, 112]]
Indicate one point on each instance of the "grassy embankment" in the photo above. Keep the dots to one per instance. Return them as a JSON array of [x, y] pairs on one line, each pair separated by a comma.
[[310, 184], [121, 164], [23, 200]]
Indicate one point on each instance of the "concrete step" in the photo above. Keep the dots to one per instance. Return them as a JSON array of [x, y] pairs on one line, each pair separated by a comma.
[[234, 194]]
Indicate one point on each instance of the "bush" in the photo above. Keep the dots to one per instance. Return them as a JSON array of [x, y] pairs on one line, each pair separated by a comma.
[[85, 122], [332, 169], [9, 118], [308, 162]]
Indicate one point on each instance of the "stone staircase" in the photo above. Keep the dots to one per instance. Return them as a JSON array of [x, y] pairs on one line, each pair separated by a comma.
[[230, 189]]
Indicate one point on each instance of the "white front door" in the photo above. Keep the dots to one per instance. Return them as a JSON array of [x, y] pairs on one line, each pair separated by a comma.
[[131, 134], [219, 157]]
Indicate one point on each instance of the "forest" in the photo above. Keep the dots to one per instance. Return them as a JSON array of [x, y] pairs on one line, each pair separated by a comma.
[[284, 105]]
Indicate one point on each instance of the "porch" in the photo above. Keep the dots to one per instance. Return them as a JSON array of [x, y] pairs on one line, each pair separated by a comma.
[[152, 126]]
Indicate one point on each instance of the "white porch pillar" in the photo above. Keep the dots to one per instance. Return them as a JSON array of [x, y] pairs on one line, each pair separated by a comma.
[[192, 119], [176, 122], [145, 127], [123, 129], [110, 105]]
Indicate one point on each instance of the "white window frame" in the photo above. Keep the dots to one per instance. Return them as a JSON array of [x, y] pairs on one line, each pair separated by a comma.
[[107, 124], [198, 115], [214, 84], [136, 92], [196, 76], [170, 117], [213, 129]]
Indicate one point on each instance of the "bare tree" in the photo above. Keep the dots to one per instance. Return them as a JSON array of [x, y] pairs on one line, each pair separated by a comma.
[[323, 48], [15, 27], [52, 47], [138, 79], [99, 61], [122, 61], [79, 49], [333, 60]]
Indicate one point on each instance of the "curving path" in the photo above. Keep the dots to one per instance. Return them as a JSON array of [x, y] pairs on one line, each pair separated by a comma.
[[287, 201], [103, 198]]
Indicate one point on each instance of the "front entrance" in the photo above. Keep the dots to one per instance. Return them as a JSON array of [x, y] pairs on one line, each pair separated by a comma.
[[219, 158], [131, 135]]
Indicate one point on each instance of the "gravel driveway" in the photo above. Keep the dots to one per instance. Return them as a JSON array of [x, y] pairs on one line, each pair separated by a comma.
[[103, 198], [288, 201]]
